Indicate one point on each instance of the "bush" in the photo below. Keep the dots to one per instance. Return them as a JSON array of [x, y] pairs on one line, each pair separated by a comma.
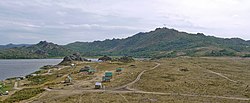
[[223, 52], [246, 55], [168, 55], [23, 94], [126, 59], [36, 80]]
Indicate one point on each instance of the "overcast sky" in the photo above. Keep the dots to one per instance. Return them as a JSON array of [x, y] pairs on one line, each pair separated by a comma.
[[65, 21]]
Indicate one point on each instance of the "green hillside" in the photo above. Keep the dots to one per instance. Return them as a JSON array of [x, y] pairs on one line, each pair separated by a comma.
[[41, 50], [164, 42], [160, 43]]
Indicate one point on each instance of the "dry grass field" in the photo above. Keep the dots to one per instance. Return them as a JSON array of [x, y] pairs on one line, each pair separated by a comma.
[[173, 80], [203, 76], [104, 97]]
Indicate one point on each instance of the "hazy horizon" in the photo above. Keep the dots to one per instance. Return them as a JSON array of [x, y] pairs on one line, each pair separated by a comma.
[[63, 21]]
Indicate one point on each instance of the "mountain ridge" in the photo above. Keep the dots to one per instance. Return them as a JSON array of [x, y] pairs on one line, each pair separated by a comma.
[[43, 49], [10, 45], [148, 44], [158, 43]]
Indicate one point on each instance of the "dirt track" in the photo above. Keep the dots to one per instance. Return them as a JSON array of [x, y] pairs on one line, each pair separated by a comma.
[[221, 75], [136, 80]]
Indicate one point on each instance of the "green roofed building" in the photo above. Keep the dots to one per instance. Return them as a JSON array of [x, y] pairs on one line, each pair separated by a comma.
[[91, 71], [119, 69], [108, 74], [106, 79], [88, 70]]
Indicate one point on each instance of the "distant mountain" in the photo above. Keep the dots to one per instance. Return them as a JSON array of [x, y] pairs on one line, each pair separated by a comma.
[[13, 45], [160, 43], [164, 42], [41, 50]]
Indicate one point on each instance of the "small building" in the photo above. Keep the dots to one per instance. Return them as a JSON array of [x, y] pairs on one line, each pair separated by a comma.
[[119, 69], [73, 65], [68, 79], [87, 69], [91, 71], [106, 79], [84, 70], [109, 74], [98, 85]]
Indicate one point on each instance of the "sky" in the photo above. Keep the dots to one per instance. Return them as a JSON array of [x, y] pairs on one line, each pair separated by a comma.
[[67, 21]]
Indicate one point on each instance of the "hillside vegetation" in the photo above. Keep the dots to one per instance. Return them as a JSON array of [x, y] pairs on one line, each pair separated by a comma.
[[160, 43], [164, 42], [41, 50]]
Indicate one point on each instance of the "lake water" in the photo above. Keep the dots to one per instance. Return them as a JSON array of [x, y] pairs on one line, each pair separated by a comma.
[[21, 67]]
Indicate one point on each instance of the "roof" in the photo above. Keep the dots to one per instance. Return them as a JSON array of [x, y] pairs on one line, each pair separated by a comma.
[[119, 68], [87, 70], [108, 73], [106, 78], [87, 66], [84, 69], [91, 70], [98, 83]]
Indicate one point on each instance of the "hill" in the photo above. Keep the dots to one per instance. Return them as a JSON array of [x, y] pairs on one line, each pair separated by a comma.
[[160, 43], [13, 46], [41, 50], [164, 42]]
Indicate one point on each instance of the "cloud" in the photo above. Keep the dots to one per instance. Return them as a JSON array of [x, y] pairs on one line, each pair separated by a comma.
[[64, 21]]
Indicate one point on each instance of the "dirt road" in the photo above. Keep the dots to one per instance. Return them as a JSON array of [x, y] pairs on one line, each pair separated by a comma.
[[136, 80], [221, 75]]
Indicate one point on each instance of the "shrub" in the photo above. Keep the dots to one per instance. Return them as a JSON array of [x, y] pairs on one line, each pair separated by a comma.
[[23, 94], [126, 59]]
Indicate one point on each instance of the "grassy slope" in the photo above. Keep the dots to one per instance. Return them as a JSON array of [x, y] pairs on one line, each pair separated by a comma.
[[198, 80], [41, 50]]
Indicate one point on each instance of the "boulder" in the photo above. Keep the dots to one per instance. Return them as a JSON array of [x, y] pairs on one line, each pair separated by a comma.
[[105, 58]]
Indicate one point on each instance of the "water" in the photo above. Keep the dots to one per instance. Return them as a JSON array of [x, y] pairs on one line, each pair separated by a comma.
[[22, 67]]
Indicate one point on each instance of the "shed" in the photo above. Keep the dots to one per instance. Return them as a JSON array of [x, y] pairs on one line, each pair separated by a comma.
[[68, 79], [108, 74], [84, 70], [88, 70], [119, 69], [91, 71], [106, 79], [98, 85]]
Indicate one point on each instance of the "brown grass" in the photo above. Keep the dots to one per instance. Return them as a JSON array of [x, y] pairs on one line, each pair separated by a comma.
[[169, 78], [133, 98]]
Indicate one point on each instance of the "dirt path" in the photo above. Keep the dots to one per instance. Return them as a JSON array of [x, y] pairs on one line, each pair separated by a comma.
[[221, 75], [16, 86], [136, 80], [124, 97]]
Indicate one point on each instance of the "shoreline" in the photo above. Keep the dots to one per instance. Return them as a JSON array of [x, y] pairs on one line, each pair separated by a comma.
[[39, 68], [13, 68]]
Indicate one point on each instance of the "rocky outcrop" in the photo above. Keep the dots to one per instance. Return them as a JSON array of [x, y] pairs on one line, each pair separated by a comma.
[[105, 58], [73, 57]]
